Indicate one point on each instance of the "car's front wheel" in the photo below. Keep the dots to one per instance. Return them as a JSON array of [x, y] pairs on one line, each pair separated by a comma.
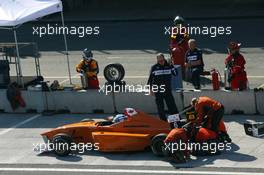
[[61, 144]]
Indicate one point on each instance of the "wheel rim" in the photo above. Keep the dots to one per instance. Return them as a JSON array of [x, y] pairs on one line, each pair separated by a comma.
[[61, 146], [113, 74]]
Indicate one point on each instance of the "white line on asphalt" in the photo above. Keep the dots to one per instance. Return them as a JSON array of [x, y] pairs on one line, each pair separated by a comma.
[[131, 77], [76, 76], [125, 171], [112, 57], [140, 76], [249, 76], [68, 79], [19, 124]]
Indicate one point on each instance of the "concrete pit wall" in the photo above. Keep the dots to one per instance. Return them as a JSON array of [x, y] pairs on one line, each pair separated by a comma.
[[243, 101], [260, 102], [92, 101]]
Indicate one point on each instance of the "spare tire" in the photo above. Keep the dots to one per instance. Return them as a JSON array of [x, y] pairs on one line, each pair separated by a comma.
[[114, 73], [157, 144]]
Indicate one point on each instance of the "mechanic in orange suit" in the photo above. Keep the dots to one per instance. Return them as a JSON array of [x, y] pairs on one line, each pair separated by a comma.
[[235, 63], [208, 125], [89, 66], [209, 112]]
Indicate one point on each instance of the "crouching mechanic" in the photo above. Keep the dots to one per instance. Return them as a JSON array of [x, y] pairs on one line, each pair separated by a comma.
[[160, 77], [178, 143], [89, 67], [209, 112], [197, 132], [235, 64]]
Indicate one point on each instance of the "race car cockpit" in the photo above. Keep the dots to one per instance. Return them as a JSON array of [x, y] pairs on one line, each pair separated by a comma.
[[128, 112]]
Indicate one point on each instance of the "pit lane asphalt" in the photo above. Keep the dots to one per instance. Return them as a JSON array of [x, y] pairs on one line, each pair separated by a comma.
[[18, 133], [127, 170]]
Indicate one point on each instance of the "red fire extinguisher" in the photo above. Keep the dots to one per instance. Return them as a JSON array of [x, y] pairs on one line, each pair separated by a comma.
[[216, 79]]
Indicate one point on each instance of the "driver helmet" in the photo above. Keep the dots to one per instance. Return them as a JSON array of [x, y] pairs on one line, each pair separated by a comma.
[[119, 118], [178, 20], [87, 54]]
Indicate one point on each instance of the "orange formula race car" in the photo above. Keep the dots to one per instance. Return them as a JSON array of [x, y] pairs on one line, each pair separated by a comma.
[[130, 131]]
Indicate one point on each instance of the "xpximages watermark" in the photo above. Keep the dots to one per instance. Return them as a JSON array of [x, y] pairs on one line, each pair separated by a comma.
[[80, 31]]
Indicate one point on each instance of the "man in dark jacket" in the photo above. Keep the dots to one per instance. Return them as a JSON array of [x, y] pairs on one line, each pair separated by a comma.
[[194, 62], [160, 81]]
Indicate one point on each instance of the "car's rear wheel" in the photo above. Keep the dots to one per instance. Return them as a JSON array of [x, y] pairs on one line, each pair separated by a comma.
[[62, 144], [157, 144]]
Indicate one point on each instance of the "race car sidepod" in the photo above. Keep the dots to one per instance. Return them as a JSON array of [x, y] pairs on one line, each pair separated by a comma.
[[120, 141]]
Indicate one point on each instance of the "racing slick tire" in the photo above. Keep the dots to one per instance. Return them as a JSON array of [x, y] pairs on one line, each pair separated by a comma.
[[114, 73], [157, 145], [61, 144], [179, 157]]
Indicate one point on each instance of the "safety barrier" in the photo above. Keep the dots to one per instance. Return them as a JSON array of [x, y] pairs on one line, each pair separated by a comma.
[[79, 102], [34, 101], [142, 101], [260, 102], [234, 101], [92, 101]]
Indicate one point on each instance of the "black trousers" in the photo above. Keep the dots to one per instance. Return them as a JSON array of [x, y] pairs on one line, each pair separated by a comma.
[[169, 99], [196, 72], [217, 117]]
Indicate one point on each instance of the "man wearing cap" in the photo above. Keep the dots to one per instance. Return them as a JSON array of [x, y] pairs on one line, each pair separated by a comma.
[[235, 63], [89, 67]]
